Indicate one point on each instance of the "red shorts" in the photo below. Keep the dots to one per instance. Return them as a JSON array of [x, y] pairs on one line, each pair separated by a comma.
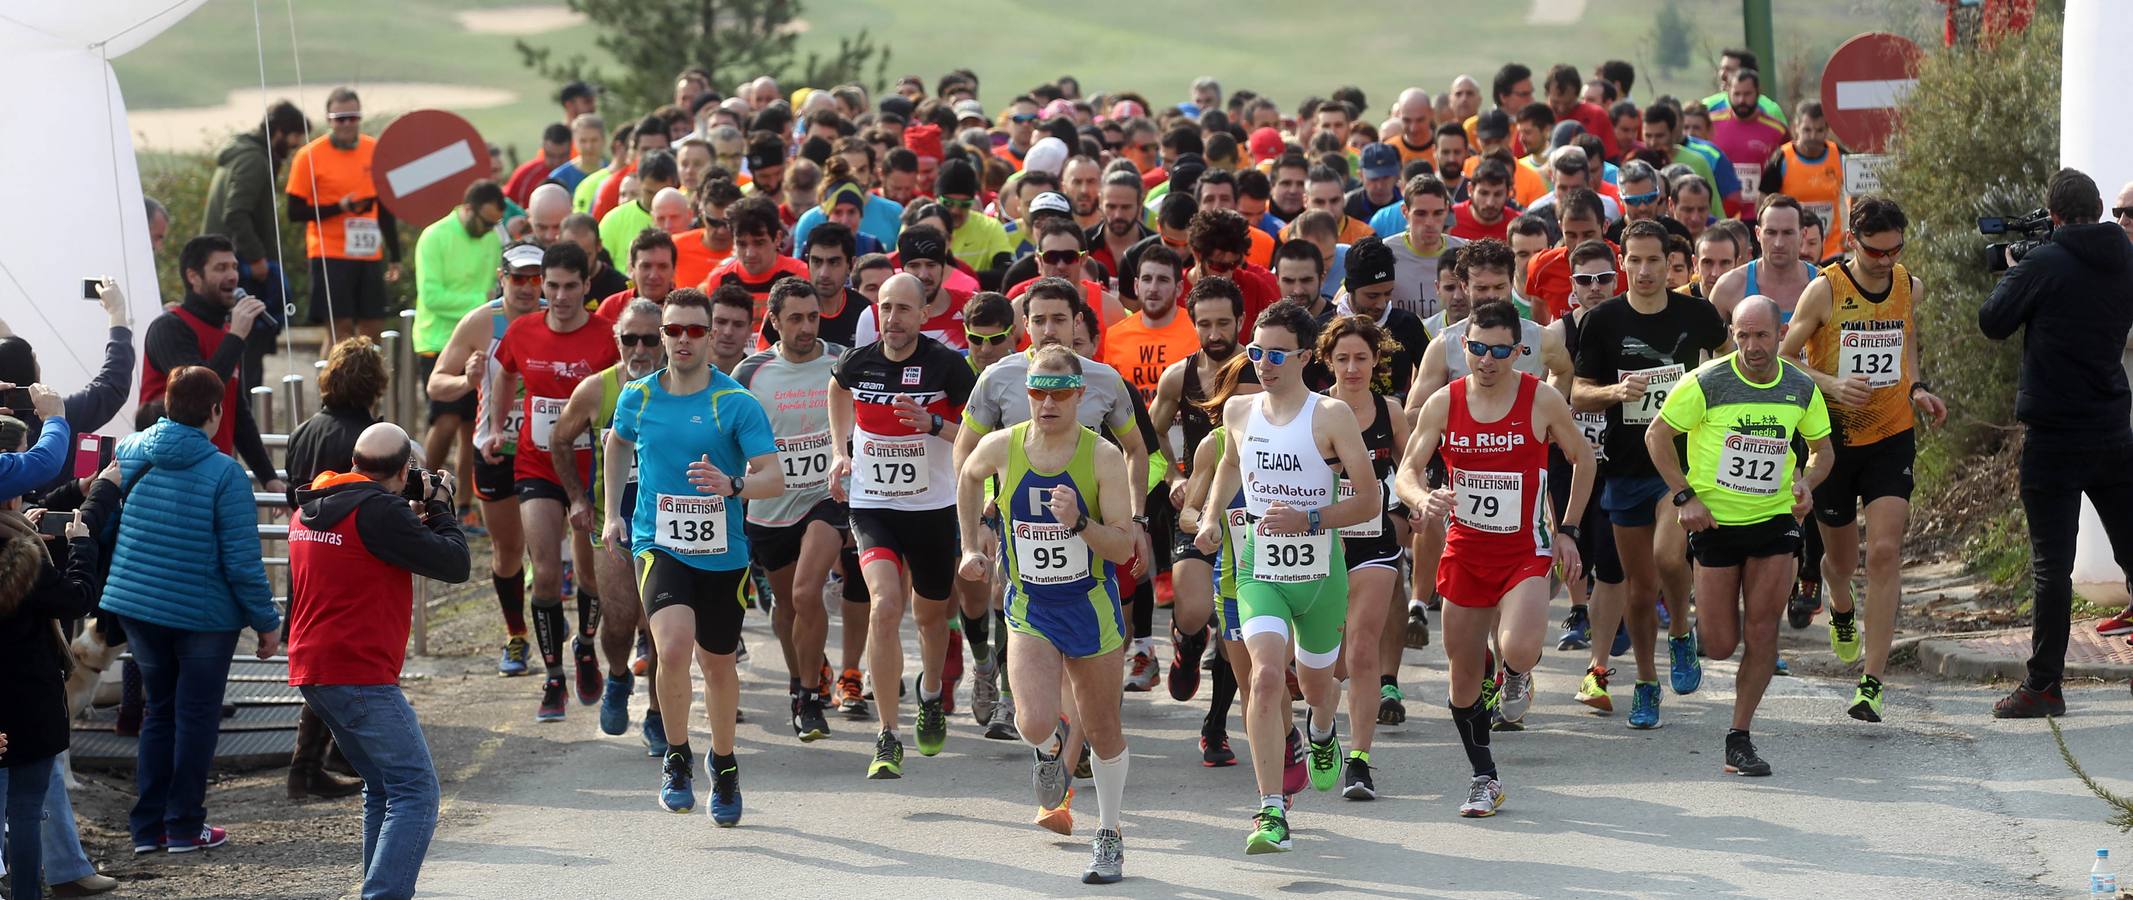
[[1482, 586]]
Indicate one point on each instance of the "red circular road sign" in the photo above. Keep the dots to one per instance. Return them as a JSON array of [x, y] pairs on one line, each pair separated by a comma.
[[1862, 85], [424, 162]]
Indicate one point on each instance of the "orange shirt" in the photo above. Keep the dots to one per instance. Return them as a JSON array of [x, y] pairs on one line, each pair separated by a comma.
[[1352, 230], [1527, 185], [1262, 252], [1141, 353], [1547, 284], [693, 261], [321, 174], [730, 272]]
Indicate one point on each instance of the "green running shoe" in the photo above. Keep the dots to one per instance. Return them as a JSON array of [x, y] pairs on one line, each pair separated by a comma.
[[1844, 638], [1271, 834], [888, 758], [1866, 701], [1325, 759], [932, 727]]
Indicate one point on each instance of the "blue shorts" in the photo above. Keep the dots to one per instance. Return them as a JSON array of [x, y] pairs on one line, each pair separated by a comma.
[[1078, 627], [1629, 499]]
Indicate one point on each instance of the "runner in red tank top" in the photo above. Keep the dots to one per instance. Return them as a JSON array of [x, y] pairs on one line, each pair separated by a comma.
[[1493, 428]]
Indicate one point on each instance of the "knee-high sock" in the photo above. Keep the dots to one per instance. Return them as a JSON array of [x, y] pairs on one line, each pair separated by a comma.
[[1110, 786], [974, 634], [1473, 723], [511, 596], [1225, 693], [1144, 610], [548, 629], [588, 614]]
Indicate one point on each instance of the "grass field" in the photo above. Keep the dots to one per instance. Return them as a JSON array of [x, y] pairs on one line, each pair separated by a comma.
[[1276, 48]]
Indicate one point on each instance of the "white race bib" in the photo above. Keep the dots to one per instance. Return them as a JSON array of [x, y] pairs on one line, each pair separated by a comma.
[[1659, 382], [1289, 559], [890, 468], [1827, 212], [1876, 356], [1751, 180], [361, 238], [1374, 527], [1594, 426], [1751, 464], [1489, 501], [691, 525], [543, 413], [806, 460], [1046, 554]]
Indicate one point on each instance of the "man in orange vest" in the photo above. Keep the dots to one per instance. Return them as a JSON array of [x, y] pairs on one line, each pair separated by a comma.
[[1810, 168]]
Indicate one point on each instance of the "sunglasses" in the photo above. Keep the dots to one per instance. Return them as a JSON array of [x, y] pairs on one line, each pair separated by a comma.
[[977, 339], [530, 278], [1645, 199], [345, 117], [1144, 148], [677, 330], [1023, 118], [637, 340], [2120, 212], [955, 203], [716, 224], [1879, 253], [1056, 395], [1061, 257], [1256, 353], [1588, 279], [1500, 351]]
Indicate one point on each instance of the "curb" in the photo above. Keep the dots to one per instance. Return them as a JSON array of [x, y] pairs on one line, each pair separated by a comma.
[[1947, 656]]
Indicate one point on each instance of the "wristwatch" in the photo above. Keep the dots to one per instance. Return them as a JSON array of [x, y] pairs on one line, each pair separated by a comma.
[[1683, 496], [1570, 531], [1080, 525], [938, 424], [1314, 522], [739, 481], [1921, 385], [1142, 521]]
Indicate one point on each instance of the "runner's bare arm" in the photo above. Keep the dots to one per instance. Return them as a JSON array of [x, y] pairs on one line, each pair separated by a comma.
[[1338, 431], [982, 462], [1928, 402], [1116, 538], [1726, 294], [1169, 396], [1432, 373], [1808, 317], [841, 418], [1555, 355], [449, 380], [1411, 483], [574, 420], [1136, 450], [615, 456], [1206, 458], [1587, 395], [1227, 479], [1560, 380]]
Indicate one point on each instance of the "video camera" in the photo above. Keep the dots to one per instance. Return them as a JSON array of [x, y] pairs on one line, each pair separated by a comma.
[[2034, 229]]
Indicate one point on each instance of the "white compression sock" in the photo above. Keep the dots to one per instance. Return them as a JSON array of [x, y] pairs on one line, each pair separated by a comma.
[[1110, 787]]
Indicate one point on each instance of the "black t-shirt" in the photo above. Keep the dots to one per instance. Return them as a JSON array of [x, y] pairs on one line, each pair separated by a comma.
[[838, 329], [1405, 329], [1615, 338]]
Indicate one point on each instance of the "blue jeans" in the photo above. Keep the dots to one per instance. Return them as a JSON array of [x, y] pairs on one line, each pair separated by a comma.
[[25, 814], [377, 731], [183, 675], [64, 860]]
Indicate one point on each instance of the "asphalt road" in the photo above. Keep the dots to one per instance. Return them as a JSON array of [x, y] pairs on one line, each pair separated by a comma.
[[1939, 801]]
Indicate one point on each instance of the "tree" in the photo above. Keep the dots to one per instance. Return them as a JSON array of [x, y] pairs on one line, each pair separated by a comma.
[[1670, 39], [654, 40]]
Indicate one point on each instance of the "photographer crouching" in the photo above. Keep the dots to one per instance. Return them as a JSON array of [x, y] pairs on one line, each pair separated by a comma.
[[2074, 295], [353, 551]]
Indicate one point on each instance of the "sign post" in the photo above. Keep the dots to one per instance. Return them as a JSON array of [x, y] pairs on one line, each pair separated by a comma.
[[1863, 83]]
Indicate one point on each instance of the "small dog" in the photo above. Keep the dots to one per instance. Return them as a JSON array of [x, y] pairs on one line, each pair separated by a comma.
[[91, 657]]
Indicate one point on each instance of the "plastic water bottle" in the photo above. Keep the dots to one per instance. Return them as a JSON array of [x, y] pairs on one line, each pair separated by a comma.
[[2103, 883]]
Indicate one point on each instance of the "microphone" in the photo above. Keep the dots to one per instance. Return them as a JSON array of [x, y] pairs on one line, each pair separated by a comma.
[[241, 295]]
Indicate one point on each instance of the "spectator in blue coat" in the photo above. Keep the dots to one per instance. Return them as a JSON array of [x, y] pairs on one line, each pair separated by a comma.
[[186, 578]]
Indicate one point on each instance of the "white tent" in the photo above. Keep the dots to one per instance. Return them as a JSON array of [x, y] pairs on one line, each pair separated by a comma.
[[75, 198], [2094, 140]]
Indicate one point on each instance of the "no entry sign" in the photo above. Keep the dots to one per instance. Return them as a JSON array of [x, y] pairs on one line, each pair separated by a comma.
[[424, 162], [1863, 83]]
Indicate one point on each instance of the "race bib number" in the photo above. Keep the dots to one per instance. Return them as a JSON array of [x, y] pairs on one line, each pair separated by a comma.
[[543, 412], [806, 460], [1594, 426], [1370, 529], [361, 238], [889, 469], [1489, 501], [691, 525], [1827, 212], [1046, 554], [1658, 383], [1751, 464], [1288, 559], [1876, 356], [1751, 180]]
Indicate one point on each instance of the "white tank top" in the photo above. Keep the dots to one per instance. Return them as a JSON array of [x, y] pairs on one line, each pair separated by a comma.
[[1528, 359], [1281, 462]]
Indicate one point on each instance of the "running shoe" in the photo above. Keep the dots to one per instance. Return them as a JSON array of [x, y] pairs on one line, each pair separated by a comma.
[[1081, 766], [849, 699], [932, 726], [1517, 697], [1780, 666], [985, 693], [2121, 623], [1048, 777], [1293, 776], [1355, 777], [1844, 637], [552, 702], [2026, 703], [570, 578], [1666, 617], [1805, 602], [654, 732], [1003, 722], [1141, 676], [470, 523], [677, 789], [1270, 832], [588, 665], [1058, 819], [826, 687], [1417, 626], [1741, 758], [159, 845], [725, 794], [209, 838], [1621, 644], [888, 758], [1325, 757], [1185, 653], [1577, 631], [1866, 701], [1593, 692], [1644, 705], [642, 662], [1491, 683], [615, 704], [1107, 858], [1435, 601], [951, 671], [1392, 707], [1685, 669], [1483, 795], [513, 662], [808, 721], [1215, 752]]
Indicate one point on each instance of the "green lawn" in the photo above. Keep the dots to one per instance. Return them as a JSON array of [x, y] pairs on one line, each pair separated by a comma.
[[1276, 48]]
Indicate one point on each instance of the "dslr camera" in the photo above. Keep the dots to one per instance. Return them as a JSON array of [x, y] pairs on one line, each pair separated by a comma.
[[2030, 231], [422, 484]]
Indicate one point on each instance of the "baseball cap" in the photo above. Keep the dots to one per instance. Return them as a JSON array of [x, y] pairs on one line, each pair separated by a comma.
[[1058, 108], [1126, 109], [1568, 160], [522, 256], [1493, 125], [921, 244], [1050, 201], [1048, 154], [1266, 144], [898, 104], [1381, 161], [969, 109], [1564, 132], [1369, 263]]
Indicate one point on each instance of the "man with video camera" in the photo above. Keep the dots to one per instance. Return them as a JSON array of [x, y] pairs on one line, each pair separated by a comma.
[[353, 552], [2074, 295]]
